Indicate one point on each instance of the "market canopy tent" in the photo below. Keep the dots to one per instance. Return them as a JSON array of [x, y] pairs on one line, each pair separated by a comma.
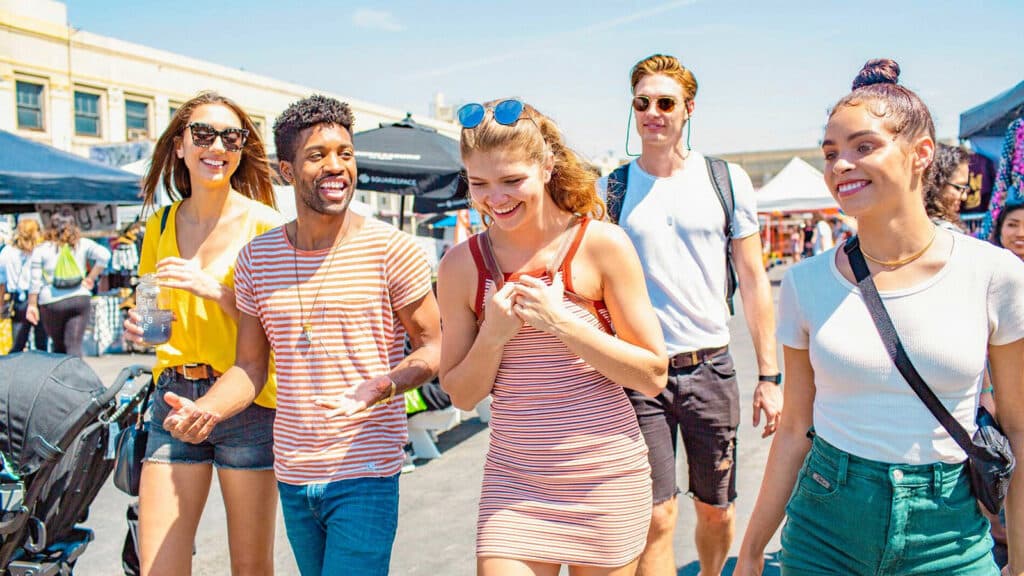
[[33, 173], [411, 159], [992, 117], [799, 187]]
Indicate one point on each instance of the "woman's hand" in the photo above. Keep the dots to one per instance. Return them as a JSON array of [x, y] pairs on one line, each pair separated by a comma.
[[499, 318], [132, 330], [540, 305], [32, 314], [749, 566], [187, 275], [187, 421]]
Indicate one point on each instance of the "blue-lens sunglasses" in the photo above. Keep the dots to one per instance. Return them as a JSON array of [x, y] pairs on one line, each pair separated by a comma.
[[506, 113]]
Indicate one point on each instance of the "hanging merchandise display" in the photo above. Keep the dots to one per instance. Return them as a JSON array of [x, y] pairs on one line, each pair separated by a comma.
[[1009, 186]]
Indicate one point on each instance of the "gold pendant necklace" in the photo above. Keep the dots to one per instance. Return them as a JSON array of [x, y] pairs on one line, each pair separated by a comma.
[[307, 322], [902, 261]]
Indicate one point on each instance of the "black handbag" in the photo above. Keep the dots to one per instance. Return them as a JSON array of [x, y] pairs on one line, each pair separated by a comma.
[[990, 461], [131, 449]]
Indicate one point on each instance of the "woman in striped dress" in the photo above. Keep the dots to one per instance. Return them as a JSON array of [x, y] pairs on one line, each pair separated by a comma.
[[566, 481]]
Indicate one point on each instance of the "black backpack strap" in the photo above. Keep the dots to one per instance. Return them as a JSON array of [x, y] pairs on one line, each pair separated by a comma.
[[616, 192], [895, 348], [163, 219], [718, 170]]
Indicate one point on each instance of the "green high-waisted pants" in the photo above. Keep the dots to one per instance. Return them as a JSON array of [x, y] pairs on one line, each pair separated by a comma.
[[850, 515]]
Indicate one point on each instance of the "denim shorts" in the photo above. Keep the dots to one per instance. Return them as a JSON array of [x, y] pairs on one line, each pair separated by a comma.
[[851, 515], [244, 441], [703, 403]]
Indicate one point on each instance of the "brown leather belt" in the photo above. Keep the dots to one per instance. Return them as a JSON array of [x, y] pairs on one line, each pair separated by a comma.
[[196, 371], [695, 357]]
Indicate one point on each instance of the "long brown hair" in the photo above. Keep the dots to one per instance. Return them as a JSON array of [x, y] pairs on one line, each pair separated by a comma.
[[571, 185], [28, 235], [63, 228], [251, 178]]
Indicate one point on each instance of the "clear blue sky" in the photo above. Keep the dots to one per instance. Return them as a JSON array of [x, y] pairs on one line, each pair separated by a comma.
[[768, 70]]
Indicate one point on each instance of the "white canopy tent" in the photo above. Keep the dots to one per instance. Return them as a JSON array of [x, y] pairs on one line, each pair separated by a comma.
[[799, 187]]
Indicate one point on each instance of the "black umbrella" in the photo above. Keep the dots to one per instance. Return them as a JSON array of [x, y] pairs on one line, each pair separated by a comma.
[[411, 159]]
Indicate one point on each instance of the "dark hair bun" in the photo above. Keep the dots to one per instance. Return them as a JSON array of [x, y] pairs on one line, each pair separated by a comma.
[[877, 71]]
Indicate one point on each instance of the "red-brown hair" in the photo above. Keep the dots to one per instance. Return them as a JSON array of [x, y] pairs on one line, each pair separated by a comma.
[[571, 185], [668, 66]]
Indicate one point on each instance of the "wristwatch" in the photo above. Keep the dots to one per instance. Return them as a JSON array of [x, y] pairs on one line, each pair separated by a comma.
[[774, 379]]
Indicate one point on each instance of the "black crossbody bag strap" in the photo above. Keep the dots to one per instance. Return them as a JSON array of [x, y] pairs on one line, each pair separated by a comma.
[[883, 323]]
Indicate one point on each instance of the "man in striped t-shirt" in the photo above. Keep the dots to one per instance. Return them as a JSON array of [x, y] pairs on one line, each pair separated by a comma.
[[333, 294]]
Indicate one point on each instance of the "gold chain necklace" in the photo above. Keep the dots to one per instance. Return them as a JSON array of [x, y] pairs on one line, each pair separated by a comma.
[[902, 261], [307, 322]]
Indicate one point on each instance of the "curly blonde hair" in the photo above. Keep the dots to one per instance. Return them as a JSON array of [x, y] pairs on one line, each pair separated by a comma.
[[535, 135], [28, 235]]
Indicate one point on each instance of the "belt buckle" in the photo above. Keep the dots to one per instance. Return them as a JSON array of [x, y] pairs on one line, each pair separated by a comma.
[[694, 357], [187, 371]]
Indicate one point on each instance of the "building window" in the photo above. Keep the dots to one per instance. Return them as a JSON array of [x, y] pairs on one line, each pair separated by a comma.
[[258, 123], [172, 110], [87, 114], [136, 116], [30, 105]]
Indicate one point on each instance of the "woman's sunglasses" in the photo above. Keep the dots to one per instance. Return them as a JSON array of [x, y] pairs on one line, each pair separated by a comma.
[[506, 113], [204, 135], [664, 103]]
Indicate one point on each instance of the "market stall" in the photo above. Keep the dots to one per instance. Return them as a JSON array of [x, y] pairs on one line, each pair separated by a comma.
[[786, 203]]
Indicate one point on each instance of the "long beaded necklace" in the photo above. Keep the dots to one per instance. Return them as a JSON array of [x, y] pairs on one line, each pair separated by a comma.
[[307, 321]]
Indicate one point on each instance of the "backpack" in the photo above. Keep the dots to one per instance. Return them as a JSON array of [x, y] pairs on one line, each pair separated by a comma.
[[66, 273], [718, 169]]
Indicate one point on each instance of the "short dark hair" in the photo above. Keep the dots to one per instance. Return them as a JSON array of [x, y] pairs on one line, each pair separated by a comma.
[[316, 109], [997, 230]]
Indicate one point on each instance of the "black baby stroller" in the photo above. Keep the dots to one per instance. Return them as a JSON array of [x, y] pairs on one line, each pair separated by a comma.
[[58, 426]]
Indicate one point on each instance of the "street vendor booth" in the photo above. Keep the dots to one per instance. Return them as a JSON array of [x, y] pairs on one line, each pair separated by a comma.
[[988, 129], [785, 201], [36, 178]]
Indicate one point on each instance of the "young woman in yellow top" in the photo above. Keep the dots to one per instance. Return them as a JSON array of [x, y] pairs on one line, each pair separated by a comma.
[[211, 157]]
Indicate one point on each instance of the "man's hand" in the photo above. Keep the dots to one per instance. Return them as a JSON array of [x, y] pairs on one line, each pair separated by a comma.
[[767, 398], [187, 421], [357, 398]]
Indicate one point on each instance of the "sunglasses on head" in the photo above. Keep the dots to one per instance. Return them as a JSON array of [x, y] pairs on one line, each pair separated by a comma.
[[664, 103], [506, 113], [204, 135]]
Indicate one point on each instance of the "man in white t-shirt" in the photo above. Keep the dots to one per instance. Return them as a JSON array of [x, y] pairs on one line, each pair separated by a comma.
[[822, 236], [677, 221]]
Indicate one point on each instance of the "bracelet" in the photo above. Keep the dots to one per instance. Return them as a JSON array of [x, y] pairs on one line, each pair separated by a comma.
[[774, 379], [391, 394]]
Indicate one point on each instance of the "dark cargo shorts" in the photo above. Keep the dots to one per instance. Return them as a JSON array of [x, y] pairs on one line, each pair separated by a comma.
[[703, 403]]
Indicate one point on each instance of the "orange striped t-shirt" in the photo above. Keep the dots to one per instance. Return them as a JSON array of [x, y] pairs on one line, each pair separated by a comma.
[[351, 303]]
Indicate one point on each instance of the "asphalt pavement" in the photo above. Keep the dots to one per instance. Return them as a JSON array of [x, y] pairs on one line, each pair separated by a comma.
[[438, 504]]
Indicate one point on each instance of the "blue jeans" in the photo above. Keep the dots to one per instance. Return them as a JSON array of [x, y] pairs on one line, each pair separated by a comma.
[[342, 527]]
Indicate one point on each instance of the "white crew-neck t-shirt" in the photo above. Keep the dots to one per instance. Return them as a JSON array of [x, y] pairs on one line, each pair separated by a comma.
[[677, 225], [862, 404]]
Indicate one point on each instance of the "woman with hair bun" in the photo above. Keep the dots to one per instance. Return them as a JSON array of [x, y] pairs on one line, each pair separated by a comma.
[[547, 311], [868, 480]]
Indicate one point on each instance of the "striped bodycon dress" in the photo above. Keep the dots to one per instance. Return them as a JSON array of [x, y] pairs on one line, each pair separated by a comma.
[[566, 478]]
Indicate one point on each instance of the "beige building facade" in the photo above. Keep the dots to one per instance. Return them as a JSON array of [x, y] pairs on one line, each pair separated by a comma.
[[79, 91]]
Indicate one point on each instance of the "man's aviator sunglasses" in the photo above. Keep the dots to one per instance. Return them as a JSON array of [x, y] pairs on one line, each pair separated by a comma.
[[204, 135], [664, 103], [506, 113]]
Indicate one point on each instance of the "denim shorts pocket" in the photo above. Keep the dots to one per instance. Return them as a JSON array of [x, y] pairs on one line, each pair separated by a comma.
[[816, 481], [723, 365], [957, 496]]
